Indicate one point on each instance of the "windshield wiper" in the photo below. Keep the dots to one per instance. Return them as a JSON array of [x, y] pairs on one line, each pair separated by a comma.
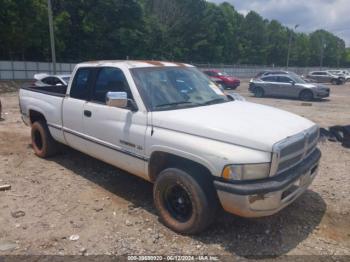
[[214, 101], [174, 103]]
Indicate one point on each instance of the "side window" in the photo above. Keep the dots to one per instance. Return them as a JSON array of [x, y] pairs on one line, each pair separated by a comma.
[[80, 87], [47, 80], [284, 79], [110, 79], [56, 81], [270, 79]]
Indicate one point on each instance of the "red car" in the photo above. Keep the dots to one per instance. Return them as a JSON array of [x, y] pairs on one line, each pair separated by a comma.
[[227, 81]]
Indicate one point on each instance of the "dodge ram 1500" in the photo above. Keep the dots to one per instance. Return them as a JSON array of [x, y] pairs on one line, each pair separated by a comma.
[[169, 124]]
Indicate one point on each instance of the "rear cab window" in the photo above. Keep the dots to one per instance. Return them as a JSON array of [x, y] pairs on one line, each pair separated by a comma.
[[80, 88]]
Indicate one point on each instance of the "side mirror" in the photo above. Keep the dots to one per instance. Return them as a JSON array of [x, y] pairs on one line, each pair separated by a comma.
[[292, 82], [117, 99], [120, 100]]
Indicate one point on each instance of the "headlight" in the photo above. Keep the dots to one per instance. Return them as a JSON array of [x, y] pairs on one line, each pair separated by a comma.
[[246, 172]]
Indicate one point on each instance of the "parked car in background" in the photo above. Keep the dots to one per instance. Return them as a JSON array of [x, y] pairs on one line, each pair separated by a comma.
[[291, 86], [51, 80], [344, 73], [227, 81], [326, 77]]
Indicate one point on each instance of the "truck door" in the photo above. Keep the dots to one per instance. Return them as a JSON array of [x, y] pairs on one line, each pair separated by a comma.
[[73, 109], [115, 135]]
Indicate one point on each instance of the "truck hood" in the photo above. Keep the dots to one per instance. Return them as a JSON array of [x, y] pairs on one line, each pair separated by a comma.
[[240, 123]]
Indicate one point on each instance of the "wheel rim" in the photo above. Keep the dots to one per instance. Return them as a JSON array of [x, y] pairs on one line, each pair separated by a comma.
[[38, 140], [178, 203], [306, 96], [259, 93]]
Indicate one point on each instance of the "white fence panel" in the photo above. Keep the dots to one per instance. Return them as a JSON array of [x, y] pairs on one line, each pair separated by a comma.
[[20, 70], [23, 70]]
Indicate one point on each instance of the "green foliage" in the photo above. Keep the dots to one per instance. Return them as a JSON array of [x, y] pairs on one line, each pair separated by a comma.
[[182, 30]]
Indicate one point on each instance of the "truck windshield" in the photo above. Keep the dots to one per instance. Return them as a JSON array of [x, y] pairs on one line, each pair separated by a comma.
[[169, 88]]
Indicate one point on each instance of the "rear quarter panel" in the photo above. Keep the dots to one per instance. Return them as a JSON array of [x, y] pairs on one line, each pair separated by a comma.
[[49, 106]]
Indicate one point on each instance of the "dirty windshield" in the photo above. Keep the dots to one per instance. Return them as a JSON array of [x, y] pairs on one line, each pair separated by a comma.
[[168, 88]]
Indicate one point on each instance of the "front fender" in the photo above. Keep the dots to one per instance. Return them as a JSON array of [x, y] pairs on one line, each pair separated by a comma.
[[212, 154]]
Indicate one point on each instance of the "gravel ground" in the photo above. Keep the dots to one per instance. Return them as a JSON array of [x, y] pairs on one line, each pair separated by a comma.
[[73, 204]]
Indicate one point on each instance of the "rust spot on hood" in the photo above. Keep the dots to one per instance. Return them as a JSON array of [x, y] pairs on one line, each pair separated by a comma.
[[155, 63], [179, 64]]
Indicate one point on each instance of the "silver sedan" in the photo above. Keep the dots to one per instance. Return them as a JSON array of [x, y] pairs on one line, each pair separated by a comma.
[[291, 86]]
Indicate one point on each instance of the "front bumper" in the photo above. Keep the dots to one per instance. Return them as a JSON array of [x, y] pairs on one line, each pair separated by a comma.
[[268, 196], [322, 94]]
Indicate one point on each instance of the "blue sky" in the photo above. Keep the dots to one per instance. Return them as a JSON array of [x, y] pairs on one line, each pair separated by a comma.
[[332, 15]]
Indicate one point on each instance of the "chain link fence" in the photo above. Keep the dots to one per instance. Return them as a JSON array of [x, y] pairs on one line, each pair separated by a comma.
[[249, 71], [24, 70]]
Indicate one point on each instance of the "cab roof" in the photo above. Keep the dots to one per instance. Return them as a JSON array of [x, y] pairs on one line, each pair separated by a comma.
[[134, 63]]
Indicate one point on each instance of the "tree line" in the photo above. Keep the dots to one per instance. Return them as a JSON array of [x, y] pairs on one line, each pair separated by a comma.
[[194, 31]]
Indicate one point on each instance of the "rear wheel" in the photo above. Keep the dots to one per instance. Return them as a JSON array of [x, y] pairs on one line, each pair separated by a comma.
[[306, 95], [259, 92], [187, 203], [43, 143], [334, 81]]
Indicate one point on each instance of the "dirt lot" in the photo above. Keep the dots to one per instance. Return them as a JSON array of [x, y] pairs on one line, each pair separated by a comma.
[[112, 212]]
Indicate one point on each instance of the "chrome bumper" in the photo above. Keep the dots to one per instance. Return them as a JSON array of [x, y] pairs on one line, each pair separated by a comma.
[[268, 196]]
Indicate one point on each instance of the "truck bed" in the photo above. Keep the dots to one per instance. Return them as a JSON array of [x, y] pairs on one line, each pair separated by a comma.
[[47, 101], [48, 90]]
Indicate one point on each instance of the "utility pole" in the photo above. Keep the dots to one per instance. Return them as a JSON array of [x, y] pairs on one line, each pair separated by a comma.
[[323, 46], [52, 36], [338, 53], [290, 44]]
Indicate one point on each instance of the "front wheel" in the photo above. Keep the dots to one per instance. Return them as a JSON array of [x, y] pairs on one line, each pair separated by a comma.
[[186, 203], [306, 95]]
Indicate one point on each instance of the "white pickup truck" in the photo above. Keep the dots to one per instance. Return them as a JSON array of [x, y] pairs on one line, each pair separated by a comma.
[[169, 124]]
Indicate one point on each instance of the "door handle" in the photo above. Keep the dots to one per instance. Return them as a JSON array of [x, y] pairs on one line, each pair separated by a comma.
[[87, 113]]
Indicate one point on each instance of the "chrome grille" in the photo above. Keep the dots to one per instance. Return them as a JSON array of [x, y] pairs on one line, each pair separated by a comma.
[[293, 150], [294, 147], [289, 162]]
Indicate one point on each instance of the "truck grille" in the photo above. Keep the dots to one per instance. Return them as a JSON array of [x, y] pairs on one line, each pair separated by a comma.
[[293, 150]]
